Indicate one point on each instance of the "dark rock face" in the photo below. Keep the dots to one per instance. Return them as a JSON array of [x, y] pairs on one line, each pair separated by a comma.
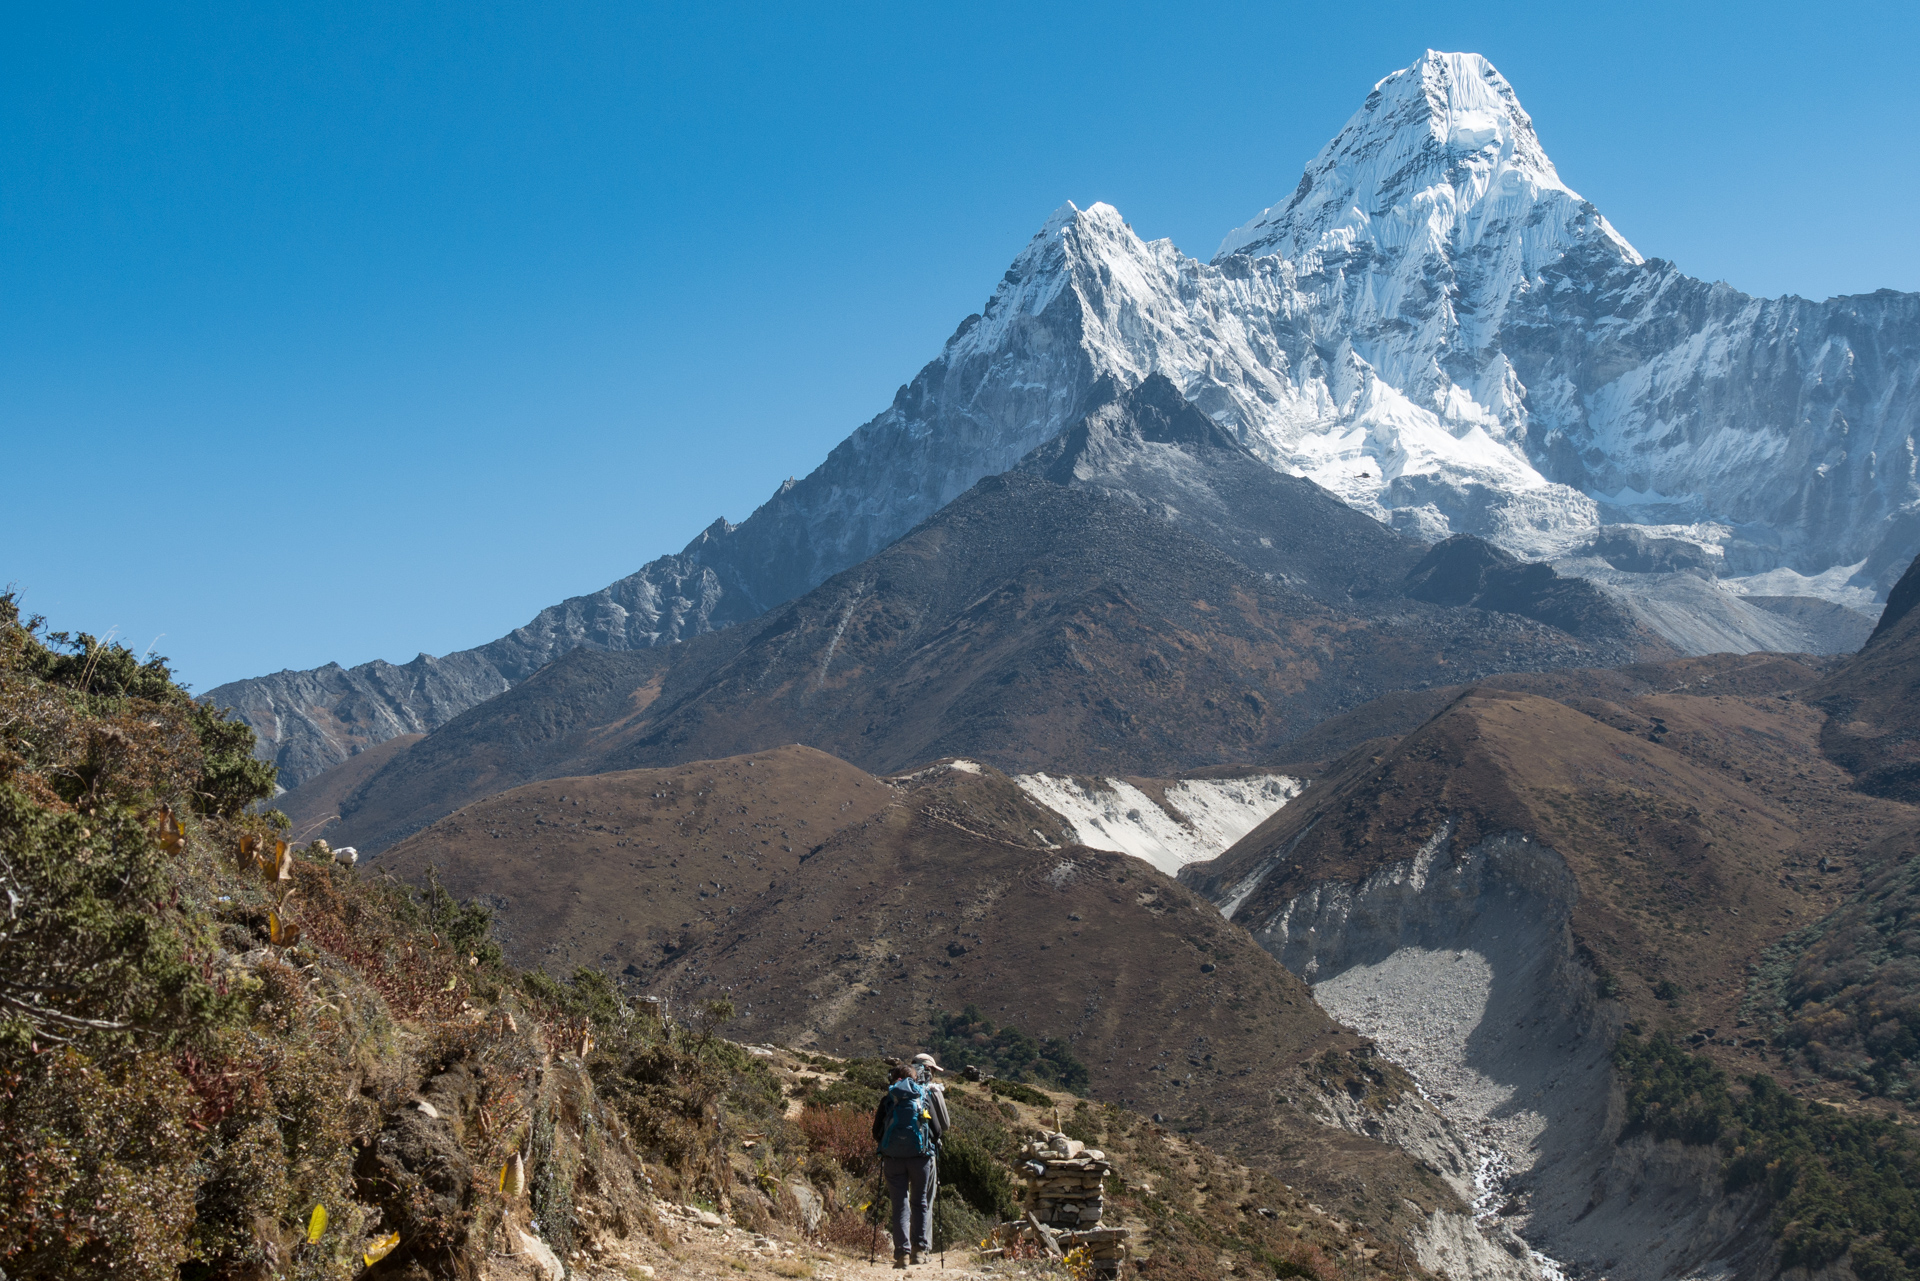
[[1873, 703], [308, 721], [1469, 571], [1637, 552], [1153, 450], [1900, 601]]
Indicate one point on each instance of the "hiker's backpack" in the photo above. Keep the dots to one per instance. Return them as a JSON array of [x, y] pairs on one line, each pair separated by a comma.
[[909, 1129]]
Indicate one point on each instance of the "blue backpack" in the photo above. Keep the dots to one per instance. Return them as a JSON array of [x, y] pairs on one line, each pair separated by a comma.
[[908, 1128]]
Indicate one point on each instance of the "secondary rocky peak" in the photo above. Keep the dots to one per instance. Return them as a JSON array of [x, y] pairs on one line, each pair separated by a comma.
[[1441, 150], [1121, 422]]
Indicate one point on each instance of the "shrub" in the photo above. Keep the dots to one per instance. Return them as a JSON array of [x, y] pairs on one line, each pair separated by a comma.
[[843, 1134], [970, 1170], [969, 1039], [1672, 1094], [1839, 1183], [1019, 1093], [96, 1168], [167, 1109]]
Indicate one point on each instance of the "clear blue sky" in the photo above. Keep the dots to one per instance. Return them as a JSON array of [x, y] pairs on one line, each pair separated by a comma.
[[353, 330]]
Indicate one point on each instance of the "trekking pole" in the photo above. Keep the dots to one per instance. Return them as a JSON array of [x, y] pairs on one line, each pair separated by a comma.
[[873, 1247]]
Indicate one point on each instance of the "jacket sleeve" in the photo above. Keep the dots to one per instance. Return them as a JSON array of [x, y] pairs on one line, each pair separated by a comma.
[[937, 1104], [880, 1118]]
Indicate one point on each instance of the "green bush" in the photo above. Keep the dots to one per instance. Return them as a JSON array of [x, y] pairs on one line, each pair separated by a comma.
[[175, 1097], [844, 1094], [868, 1074], [969, 1039], [1843, 995], [1838, 1183], [969, 1168], [1019, 1093], [1672, 1094]]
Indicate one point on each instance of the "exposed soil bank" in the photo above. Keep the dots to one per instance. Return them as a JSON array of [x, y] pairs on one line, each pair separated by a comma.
[[1461, 966]]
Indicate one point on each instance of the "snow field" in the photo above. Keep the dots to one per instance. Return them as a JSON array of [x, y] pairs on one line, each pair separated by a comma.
[[1203, 817]]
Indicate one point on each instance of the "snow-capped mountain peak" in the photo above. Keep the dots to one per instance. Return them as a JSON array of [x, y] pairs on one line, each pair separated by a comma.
[[1434, 327], [1440, 155]]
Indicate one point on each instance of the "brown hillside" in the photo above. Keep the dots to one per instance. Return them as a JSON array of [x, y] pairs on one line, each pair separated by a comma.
[[841, 911], [1695, 826], [555, 858], [1746, 675]]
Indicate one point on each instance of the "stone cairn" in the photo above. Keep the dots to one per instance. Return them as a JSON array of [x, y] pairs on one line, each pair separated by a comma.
[[1064, 1204]]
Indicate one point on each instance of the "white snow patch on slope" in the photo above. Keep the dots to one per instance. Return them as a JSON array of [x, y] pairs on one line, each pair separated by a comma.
[[1202, 817], [958, 764], [1833, 584]]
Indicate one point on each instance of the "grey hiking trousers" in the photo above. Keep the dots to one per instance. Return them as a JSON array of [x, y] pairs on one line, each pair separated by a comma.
[[910, 1184]]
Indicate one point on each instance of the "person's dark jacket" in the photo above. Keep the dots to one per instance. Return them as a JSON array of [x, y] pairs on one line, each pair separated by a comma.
[[936, 1104]]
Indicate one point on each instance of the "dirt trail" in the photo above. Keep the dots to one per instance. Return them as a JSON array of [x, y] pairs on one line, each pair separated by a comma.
[[699, 1248]]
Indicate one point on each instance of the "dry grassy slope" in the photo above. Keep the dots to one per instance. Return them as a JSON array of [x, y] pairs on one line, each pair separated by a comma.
[[1028, 625], [1693, 823], [847, 940], [1746, 675], [622, 868]]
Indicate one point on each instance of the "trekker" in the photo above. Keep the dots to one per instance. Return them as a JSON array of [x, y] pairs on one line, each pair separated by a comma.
[[923, 1068], [907, 1133]]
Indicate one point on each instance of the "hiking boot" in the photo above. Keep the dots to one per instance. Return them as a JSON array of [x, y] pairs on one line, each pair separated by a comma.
[[920, 1256], [900, 1259]]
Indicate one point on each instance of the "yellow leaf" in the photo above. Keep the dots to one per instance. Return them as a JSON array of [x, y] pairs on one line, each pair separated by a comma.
[[513, 1176], [282, 861], [380, 1247], [316, 1223], [280, 931], [450, 983], [173, 833]]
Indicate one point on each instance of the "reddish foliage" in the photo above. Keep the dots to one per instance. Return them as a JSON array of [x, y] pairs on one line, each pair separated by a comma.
[[845, 1134], [219, 1084], [412, 979], [851, 1229]]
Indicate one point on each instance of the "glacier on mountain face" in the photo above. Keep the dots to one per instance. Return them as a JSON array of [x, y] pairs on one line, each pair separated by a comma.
[[1433, 326]]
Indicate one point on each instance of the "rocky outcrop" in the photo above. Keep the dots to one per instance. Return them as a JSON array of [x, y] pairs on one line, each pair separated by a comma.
[[309, 721]]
